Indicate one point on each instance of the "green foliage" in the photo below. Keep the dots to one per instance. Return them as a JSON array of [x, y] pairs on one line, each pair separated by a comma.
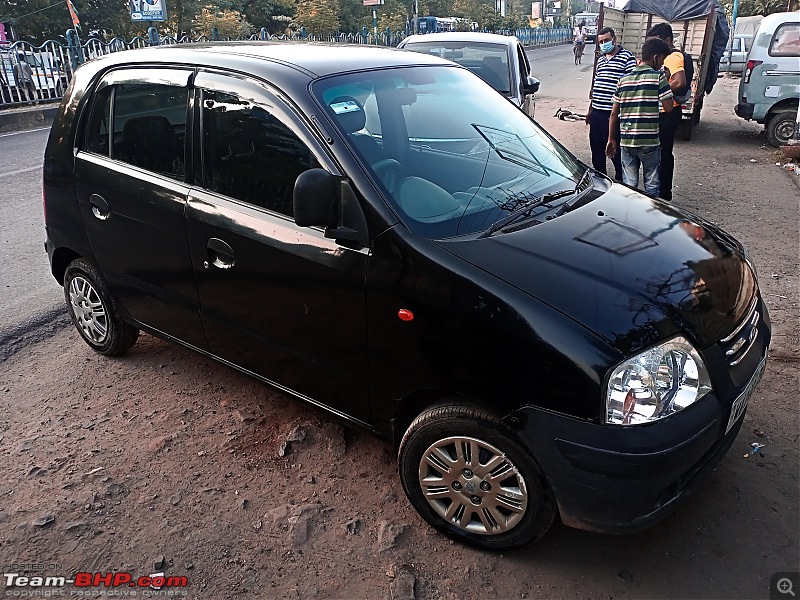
[[750, 8], [319, 17], [40, 20], [229, 23]]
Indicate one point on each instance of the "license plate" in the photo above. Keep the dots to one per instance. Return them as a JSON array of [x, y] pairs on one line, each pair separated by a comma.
[[737, 410]]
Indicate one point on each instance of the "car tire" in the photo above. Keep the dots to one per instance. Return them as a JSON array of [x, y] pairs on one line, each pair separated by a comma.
[[94, 312], [468, 477], [780, 128]]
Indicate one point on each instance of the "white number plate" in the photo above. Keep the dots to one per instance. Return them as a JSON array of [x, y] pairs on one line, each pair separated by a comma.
[[741, 402]]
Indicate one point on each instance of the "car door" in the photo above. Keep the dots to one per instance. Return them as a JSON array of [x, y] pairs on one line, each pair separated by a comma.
[[129, 178], [278, 300]]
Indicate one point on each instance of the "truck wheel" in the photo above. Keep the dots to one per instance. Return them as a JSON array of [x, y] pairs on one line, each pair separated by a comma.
[[780, 128], [93, 311], [466, 475], [685, 129]]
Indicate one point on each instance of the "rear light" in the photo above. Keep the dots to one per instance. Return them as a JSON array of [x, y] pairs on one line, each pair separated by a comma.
[[751, 64]]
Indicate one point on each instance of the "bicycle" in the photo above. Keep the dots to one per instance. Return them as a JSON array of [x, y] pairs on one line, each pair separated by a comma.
[[577, 50]]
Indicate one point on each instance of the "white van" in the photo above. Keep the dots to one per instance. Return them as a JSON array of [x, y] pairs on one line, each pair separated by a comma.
[[770, 88], [48, 75]]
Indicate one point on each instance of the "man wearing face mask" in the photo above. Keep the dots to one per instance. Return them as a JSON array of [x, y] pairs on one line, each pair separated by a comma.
[[613, 63]]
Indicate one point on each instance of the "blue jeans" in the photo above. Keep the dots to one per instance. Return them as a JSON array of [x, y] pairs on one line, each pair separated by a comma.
[[650, 159]]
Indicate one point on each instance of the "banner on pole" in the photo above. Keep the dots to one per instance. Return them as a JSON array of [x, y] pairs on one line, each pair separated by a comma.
[[148, 10], [73, 14]]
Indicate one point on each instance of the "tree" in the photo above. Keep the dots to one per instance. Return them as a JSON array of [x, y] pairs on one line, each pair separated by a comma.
[[319, 17], [229, 23], [749, 8], [393, 14]]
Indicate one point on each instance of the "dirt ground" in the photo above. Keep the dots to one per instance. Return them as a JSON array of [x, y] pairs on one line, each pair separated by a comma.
[[165, 461]]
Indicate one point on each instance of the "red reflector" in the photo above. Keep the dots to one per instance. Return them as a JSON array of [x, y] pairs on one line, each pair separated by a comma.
[[405, 314]]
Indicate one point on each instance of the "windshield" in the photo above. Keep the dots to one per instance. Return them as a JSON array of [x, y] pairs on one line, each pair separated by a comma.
[[487, 61], [450, 154]]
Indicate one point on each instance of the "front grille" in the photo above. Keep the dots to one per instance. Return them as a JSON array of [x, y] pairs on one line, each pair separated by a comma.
[[741, 340]]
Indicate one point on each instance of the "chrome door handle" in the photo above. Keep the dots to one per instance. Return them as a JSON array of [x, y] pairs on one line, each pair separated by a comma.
[[100, 208]]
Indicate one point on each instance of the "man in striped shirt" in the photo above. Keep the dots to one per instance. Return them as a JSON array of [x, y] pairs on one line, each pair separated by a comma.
[[636, 108], [613, 63]]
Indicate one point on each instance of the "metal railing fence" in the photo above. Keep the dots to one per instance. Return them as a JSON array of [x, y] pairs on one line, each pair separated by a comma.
[[53, 63]]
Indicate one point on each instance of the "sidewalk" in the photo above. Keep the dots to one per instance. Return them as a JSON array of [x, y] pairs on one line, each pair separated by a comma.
[[27, 117]]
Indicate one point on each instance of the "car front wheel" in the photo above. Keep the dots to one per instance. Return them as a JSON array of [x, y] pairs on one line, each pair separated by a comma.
[[93, 311], [467, 476]]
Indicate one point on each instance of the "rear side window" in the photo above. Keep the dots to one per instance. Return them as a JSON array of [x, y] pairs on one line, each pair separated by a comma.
[[786, 40], [141, 124], [249, 154], [98, 138]]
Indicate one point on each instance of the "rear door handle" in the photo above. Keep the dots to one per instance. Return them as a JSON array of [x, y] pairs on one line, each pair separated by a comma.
[[100, 207], [220, 254]]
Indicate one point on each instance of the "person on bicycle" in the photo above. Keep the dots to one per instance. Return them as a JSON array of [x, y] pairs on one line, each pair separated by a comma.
[[579, 35]]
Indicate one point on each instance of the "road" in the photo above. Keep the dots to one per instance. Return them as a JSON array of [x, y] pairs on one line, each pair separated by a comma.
[[32, 303], [560, 78]]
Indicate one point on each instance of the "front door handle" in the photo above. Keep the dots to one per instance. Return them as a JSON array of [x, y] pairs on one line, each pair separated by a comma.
[[100, 207], [220, 254]]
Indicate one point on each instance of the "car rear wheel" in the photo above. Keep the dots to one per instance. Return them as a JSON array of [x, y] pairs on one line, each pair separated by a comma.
[[93, 311], [467, 475], [780, 128]]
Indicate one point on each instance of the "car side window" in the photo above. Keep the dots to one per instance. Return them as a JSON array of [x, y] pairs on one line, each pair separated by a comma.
[[150, 127], [524, 65], [786, 41], [249, 154], [98, 127]]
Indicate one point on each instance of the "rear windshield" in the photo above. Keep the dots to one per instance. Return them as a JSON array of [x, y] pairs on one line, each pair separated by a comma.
[[487, 61]]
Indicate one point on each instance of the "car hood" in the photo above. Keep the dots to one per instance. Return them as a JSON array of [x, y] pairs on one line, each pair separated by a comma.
[[633, 269]]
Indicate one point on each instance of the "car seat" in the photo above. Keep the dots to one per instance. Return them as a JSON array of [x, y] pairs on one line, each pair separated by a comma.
[[352, 120]]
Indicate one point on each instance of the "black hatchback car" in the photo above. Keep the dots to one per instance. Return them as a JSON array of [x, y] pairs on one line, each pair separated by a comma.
[[380, 233]]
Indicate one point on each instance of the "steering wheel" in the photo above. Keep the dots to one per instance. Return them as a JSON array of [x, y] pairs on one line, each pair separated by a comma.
[[390, 173]]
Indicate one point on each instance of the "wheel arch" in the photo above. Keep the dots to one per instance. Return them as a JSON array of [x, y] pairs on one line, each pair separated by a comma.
[[788, 104], [415, 403], [62, 257]]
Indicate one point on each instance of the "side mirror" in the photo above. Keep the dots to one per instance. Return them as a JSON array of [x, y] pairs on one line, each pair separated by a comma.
[[324, 200], [530, 85], [315, 200]]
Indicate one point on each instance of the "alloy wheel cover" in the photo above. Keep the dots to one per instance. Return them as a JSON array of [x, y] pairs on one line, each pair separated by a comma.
[[473, 485]]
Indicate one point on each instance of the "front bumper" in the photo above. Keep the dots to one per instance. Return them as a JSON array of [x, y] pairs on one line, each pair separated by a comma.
[[623, 479], [744, 110]]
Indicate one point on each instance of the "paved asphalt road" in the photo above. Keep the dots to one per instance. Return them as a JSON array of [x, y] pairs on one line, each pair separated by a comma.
[[33, 304]]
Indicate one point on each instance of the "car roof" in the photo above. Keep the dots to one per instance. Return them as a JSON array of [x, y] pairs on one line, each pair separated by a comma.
[[315, 59], [772, 21], [461, 36]]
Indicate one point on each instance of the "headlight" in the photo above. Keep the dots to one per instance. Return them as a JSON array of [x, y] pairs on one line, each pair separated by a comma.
[[656, 384]]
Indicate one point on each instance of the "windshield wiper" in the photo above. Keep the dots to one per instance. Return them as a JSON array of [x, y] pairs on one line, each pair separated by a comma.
[[526, 211], [570, 203], [514, 216]]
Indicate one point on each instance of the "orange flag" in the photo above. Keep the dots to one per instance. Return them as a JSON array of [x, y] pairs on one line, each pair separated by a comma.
[[73, 14]]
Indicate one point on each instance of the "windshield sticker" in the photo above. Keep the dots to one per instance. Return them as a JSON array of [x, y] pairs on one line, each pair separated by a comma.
[[344, 107]]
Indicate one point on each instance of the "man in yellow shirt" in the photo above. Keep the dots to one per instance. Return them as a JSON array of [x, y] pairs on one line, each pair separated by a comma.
[[669, 122]]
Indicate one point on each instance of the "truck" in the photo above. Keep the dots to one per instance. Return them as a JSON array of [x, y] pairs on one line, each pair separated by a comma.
[[589, 20], [699, 29]]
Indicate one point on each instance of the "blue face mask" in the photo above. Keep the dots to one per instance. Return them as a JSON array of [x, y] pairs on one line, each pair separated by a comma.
[[606, 47]]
